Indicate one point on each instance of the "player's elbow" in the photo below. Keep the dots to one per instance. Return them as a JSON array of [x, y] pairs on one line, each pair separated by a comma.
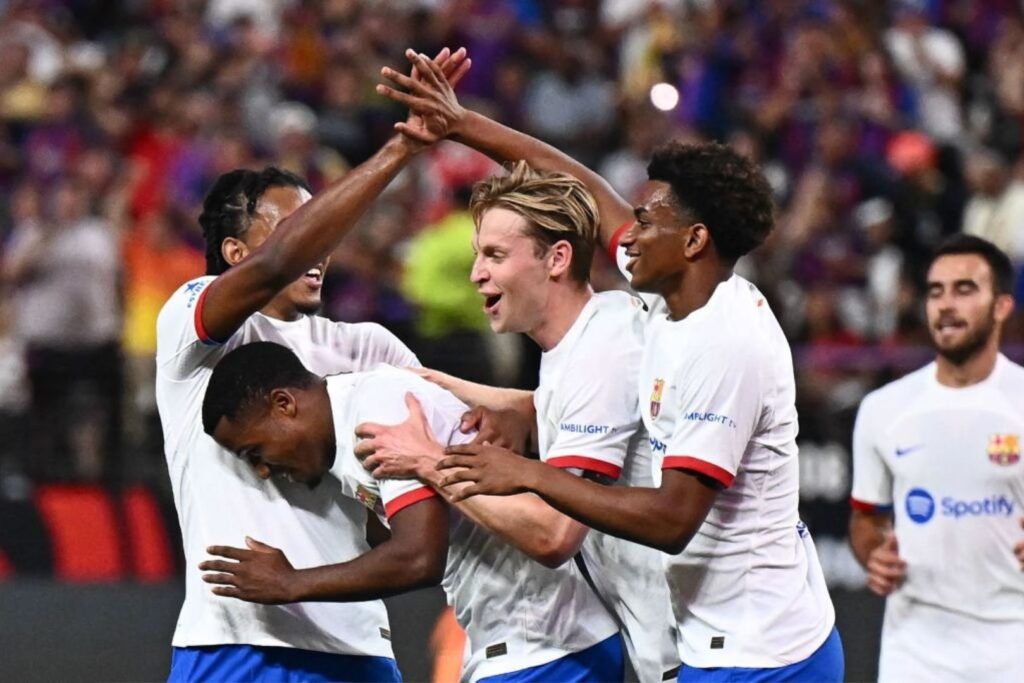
[[672, 540], [553, 551], [425, 569]]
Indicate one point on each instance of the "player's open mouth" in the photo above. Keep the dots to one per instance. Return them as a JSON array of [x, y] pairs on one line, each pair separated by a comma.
[[314, 277], [949, 325], [491, 302]]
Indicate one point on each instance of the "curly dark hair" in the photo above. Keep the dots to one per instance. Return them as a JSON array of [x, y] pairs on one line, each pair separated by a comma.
[[1003, 278], [230, 206], [721, 189], [245, 377]]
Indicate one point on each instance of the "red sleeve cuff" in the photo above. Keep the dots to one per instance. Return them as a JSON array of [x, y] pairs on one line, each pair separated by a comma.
[[872, 508], [686, 462], [200, 329], [584, 463], [406, 499], [613, 245]]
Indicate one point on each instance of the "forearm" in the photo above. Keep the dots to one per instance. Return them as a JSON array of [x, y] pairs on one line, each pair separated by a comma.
[[379, 573], [867, 532], [632, 513], [506, 144], [314, 230]]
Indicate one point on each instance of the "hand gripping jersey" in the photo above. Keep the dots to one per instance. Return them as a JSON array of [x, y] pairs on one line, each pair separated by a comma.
[[516, 612], [588, 419], [221, 501], [717, 395], [947, 463]]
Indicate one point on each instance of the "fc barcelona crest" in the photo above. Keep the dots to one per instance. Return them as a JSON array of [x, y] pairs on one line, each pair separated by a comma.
[[659, 386], [1004, 449]]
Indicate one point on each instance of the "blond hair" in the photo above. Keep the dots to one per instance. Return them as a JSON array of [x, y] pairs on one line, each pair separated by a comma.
[[556, 206]]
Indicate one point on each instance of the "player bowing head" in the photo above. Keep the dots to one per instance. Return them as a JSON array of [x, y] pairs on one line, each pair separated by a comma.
[[264, 406], [535, 235], [969, 297], [240, 211], [703, 200]]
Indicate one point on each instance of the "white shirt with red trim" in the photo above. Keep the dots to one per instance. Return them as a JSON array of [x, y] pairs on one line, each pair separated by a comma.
[[221, 501], [516, 612], [717, 394], [588, 419], [947, 463], [374, 396]]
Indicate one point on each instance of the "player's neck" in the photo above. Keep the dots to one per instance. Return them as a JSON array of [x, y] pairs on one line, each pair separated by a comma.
[[694, 289], [281, 310], [563, 308], [975, 369]]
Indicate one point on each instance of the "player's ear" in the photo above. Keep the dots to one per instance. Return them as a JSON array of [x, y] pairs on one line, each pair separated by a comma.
[[559, 258], [282, 403], [1004, 307], [697, 238], [233, 250]]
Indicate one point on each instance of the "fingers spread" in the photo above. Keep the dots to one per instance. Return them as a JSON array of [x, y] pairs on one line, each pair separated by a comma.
[[220, 579]]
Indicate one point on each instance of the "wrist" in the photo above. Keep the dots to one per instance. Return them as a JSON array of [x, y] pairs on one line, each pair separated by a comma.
[[532, 477], [402, 147], [460, 127], [299, 585]]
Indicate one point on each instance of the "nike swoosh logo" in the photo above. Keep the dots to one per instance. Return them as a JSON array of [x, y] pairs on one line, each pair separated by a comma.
[[900, 452]]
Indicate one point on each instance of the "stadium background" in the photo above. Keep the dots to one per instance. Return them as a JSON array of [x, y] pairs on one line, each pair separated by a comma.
[[882, 126]]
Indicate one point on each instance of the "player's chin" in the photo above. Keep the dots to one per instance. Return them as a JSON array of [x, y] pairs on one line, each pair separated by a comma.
[[308, 304]]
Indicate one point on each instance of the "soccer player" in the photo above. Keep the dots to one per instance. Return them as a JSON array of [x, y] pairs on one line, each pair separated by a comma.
[[938, 485], [524, 622], [749, 596], [535, 242], [267, 247]]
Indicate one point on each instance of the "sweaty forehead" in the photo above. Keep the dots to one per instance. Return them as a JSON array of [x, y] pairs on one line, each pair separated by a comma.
[[657, 198], [277, 203]]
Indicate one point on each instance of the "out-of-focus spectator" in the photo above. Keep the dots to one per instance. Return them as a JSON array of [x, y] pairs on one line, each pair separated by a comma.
[[63, 265], [995, 209]]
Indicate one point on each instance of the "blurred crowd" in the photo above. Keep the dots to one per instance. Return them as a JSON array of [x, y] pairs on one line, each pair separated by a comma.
[[882, 127]]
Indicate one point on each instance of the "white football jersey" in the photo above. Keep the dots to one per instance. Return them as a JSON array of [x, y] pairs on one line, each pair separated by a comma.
[[221, 501], [947, 463], [588, 419], [516, 612], [717, 395]]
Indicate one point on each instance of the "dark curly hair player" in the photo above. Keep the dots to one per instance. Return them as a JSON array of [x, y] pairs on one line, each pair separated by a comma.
[[717, 397], [267, 246]]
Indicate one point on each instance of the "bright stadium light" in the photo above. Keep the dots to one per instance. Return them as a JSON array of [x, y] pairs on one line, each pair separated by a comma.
[[664, 96]]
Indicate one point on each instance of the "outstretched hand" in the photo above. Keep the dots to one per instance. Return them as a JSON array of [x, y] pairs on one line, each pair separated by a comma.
[[404, 451], [259, 574], [493, 471], [434, 109]]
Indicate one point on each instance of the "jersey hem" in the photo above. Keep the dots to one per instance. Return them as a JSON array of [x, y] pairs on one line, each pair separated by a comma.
[[864, 506], [200, 329], [584, 463], [406, 499], [687, 462], [613, 244]]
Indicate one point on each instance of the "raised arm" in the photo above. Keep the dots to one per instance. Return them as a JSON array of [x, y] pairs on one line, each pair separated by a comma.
[[434, 99], [414, 557], [309, 234]]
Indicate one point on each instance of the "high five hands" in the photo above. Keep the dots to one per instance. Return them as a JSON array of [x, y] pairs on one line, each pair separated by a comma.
[[435, 112]]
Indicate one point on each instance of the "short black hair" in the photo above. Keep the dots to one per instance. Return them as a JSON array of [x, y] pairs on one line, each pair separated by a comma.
[[246, 376], [1003, 276], [722, 189], [230, 205]]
